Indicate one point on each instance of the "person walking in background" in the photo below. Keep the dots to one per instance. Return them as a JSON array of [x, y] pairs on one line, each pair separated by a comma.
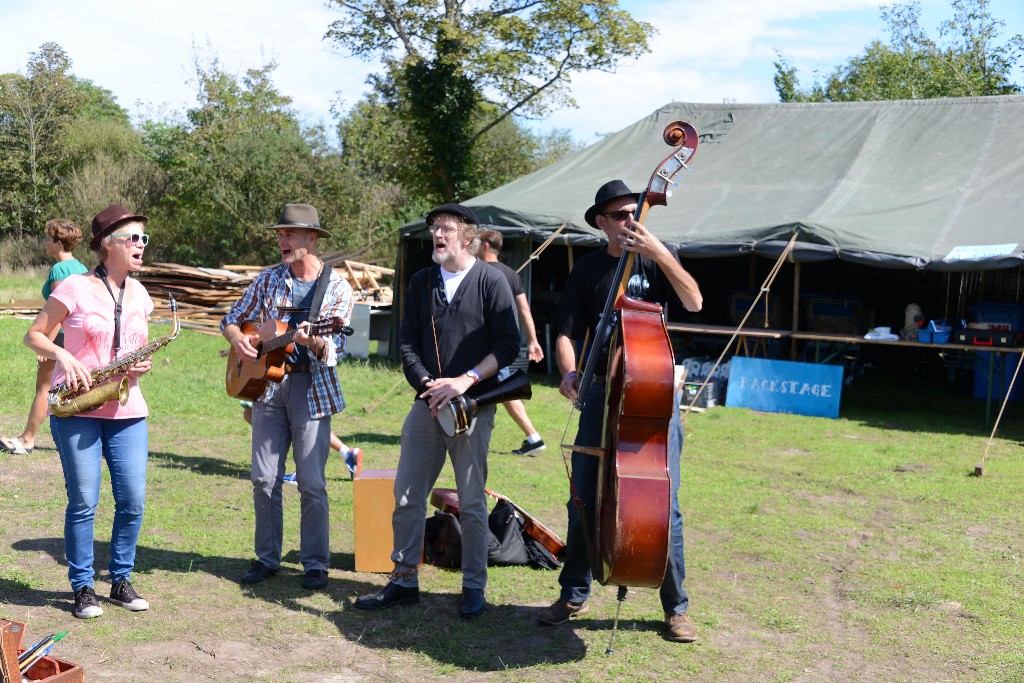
[[295, 413], [578, 317], [458, 328], [100, 326], [60, 239], [490, 246]]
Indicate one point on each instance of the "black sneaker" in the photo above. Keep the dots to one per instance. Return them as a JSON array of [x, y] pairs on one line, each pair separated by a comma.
[[124, 594], [86, 606], [529, 448]]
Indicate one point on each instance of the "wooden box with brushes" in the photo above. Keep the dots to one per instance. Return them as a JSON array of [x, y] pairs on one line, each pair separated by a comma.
[[45, 668]]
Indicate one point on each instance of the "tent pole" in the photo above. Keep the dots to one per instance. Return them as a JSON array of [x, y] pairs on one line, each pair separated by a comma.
[[796, 308]]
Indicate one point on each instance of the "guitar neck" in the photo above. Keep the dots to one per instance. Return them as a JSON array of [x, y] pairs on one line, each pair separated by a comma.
[[271, 345]]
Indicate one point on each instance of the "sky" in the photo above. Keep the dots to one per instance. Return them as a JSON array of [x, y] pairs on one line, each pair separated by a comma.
[[703, 51]]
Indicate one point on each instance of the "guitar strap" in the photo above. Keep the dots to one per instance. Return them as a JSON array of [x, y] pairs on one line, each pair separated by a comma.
[[318, 293]]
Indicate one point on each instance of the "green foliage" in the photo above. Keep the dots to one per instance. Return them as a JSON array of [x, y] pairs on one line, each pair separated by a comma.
[[443, 59], [212, 178], [36, 113], [966, 61], [237, 159], [100, 104], [442, 101]]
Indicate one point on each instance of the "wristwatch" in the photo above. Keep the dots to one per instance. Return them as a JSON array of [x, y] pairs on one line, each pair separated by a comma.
[[474, 375]]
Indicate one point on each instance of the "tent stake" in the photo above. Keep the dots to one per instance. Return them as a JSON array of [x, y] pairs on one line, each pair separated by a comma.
[[979, 469]]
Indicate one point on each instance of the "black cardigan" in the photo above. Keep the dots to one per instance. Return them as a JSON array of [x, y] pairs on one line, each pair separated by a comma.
[[480, 320]]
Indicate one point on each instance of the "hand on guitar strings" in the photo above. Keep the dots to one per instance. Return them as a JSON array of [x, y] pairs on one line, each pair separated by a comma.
[[244, 349]]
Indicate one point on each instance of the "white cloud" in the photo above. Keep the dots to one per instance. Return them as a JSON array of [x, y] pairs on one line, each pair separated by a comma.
[[144, 52], [703, 52]]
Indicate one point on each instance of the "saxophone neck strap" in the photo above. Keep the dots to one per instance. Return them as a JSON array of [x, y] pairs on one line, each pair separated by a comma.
[[101, 273]]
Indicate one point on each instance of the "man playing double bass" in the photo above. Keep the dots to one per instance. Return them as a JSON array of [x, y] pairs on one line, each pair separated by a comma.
[[659, 276]]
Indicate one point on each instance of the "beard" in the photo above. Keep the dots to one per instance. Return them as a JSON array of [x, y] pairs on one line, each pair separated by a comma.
[[441, 258]]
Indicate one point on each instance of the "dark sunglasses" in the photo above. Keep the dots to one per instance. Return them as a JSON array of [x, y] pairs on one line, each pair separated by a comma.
[[618, 215]]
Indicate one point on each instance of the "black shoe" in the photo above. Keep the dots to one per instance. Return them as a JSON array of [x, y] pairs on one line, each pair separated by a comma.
[[315, 579], [258, 572], [86, 605], [389, 596], [124, 594], [472, 603], [529, 448]]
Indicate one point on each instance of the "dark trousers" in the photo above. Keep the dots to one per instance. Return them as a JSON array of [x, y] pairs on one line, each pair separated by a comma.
[[576, 576]]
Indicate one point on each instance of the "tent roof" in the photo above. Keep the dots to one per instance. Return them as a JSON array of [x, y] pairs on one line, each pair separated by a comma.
[[936, 184]]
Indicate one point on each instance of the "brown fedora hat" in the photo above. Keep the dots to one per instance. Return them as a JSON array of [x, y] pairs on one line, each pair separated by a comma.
[[300, 216], [108, 219], [613, 189]]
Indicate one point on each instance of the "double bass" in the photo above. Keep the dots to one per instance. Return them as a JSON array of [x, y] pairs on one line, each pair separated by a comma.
[[627, 534]]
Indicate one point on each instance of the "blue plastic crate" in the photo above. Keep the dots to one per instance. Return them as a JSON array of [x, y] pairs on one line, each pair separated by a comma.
[[935, 333]]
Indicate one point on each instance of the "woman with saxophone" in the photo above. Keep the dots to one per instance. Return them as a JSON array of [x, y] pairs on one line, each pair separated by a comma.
[[104, 316]]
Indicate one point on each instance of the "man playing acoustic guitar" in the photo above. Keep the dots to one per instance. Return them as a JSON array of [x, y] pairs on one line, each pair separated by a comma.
[[296, 411]]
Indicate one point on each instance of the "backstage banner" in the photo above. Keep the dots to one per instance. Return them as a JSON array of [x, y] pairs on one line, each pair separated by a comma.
[[780, 386]]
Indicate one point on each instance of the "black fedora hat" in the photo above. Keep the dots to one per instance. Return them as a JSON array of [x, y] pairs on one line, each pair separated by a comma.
[[613, 189], [107, 220], [463, 212], [300, 216]]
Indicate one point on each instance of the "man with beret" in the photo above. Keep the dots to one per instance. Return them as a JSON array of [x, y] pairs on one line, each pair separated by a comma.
[[658, 276], [297, 411], [457, 330]]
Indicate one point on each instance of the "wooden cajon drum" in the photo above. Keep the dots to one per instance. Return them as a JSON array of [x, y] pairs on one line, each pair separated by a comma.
[[373, 501]]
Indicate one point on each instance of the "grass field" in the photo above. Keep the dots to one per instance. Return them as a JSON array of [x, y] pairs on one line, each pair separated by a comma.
[[855, 549]]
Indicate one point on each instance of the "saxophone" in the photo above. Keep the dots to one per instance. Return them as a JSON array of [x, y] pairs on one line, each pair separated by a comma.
[[110, 382]]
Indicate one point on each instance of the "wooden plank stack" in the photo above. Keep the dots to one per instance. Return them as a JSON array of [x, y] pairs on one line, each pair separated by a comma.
[[204, 295]]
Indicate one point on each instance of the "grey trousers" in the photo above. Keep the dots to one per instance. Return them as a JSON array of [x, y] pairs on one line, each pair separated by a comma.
[[281, 423], [424, 446]]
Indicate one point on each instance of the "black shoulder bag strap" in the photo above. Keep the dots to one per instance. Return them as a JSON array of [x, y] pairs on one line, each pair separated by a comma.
[[318, 293]]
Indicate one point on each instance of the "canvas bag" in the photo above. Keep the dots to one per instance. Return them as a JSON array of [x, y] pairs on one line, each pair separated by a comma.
[[508, 544]]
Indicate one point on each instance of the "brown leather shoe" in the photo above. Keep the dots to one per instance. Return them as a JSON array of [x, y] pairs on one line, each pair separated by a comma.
[[680, 628], [561, 612]]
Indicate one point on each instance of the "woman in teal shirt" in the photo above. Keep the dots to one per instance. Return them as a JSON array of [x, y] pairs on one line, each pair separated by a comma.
[[61, 237]]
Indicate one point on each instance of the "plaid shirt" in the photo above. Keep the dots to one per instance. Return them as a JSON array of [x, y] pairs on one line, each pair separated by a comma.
[[273, 288]]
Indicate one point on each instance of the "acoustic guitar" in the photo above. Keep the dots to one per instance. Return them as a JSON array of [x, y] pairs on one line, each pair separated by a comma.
[[249, 378]]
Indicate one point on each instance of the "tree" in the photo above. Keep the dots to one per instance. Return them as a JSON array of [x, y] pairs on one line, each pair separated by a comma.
[[391, 190], [443, 59], [36, 111], [236, 158], [966, 61]]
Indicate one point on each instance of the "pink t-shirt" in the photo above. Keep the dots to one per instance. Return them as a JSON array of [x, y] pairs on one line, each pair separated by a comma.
[[89, 334]]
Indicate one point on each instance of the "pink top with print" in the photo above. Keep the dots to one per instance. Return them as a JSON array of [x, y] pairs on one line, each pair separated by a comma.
[[89, 334]]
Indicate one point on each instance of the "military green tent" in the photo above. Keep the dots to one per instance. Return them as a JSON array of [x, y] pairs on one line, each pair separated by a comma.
[[932, 186], [936, 184]]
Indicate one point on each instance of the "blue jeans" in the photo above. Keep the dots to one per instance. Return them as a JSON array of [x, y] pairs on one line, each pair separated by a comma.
[[82, 443], [576, 576]]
